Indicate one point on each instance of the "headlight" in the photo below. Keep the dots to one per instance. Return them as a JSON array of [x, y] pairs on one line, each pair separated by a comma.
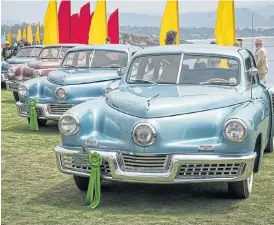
[[61, 93], [11, 72], [235, 130], [36, 73], [144, 134], [107, 91], [22, 90], [69, 124]]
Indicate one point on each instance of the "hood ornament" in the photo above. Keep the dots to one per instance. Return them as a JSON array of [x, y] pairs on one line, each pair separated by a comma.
[[148, 101]]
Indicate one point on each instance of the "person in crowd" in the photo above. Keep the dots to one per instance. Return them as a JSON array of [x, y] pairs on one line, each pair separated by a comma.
[[261, 59], [240, 41], [6, 51], [171, 37], [24, 42], [108, 40], [237, 44]]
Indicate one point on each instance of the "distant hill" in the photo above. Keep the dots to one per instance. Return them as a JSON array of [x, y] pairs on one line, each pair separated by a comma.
[[204, 19]]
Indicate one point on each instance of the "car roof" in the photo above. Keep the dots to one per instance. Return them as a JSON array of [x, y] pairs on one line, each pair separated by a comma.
[[192, 49], [63, 45], [34, 46], [116, 47]]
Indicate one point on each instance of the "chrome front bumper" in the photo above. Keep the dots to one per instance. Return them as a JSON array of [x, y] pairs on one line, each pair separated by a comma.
[[43, 111], [12, 85], [180, 168]]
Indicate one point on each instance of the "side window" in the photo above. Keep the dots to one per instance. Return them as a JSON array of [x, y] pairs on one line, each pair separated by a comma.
[[248, 64], [252, 58]]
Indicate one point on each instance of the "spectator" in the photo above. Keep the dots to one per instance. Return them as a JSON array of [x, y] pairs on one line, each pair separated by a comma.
[[240, 41], [24, 42], [6, 51], [237, 44], [108, 40], [171, 37], [261, 59]]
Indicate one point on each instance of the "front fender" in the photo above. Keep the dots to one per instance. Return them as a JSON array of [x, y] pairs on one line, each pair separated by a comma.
[[33, 86]]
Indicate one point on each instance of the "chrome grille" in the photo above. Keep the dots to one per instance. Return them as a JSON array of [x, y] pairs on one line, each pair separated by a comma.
[[144, 162], [67, 162], [59, 109], [204, 171], [25, 111]]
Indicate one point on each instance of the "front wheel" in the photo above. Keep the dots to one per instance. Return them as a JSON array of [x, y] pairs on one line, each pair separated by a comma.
[[81, 182], [16, 96], [241, 189], [269, 147], [41, 122]]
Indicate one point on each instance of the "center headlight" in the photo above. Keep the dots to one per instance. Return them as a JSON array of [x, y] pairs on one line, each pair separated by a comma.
[[69, 124], [22, 90], [235, 130], [11, 72], [36, 73], [144, 134], [61, 93]]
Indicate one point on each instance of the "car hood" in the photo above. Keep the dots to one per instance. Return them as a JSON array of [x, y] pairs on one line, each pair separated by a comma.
[[20, 60], [172, 99], [81, 76], [44, 64]]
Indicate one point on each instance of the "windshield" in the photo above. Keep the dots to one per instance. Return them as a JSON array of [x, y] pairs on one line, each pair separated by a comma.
[[96, 59], [28, 52], [53, 52], [195, 69], [155, 69]]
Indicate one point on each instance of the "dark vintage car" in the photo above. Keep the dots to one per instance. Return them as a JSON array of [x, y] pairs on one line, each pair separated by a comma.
[[48, 60], [24, 55]]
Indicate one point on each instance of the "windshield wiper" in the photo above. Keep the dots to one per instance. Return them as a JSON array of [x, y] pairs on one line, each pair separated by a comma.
[[70, 66], [217, 83], [144, 82], [112, 66]]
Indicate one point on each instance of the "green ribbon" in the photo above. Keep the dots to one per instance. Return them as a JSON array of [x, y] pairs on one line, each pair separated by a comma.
[[94, 186], [33, 125]]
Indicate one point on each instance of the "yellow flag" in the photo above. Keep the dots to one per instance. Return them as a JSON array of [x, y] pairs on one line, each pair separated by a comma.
[[25, 33], [29, 34], [98, 26], [19, 35], [9, 38], [51, 35], [225, 32], [37, 34], [170, 21]]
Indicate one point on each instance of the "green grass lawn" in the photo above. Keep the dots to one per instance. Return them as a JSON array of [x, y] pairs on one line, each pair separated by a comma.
[[35, 192]]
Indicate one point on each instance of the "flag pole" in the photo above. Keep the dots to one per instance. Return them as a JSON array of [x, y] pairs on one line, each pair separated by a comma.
[[252, 33]]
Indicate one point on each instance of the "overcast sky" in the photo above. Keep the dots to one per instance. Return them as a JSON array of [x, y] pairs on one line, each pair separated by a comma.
[[33, 11]]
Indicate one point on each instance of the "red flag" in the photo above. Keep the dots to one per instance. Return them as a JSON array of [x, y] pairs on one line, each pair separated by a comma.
[[64, 21], [84, 23], [75, 36], [113, 27]]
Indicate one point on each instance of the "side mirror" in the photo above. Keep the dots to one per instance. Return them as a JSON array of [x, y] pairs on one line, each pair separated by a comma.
[[121, 71]]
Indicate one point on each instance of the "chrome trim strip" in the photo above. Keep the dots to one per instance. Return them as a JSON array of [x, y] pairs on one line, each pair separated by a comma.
[[169, 176]]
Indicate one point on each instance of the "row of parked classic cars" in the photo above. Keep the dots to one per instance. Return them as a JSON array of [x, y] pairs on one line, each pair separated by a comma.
[[169, 114]]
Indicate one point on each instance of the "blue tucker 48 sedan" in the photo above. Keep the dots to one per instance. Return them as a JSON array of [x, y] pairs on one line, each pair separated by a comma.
[[181, 114], [83, 74]]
